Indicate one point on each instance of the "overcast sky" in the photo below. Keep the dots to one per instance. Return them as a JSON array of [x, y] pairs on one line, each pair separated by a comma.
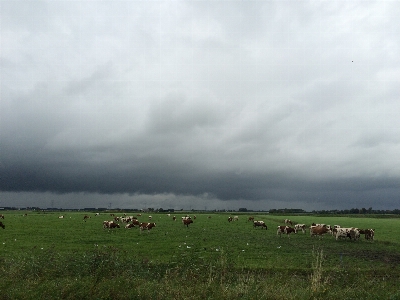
[[200, 104]]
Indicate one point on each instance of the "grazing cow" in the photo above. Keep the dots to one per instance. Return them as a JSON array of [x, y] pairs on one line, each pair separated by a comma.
[[194, 217], [287, 221], [236, 218], [146, 226], [97, 214], [113, 225], [1, 216], [230, 219], [61, 217], [135, 222], [174, 218], [259, 224], [281, 229], [150, 217], [85, 217], [186, 218], [301, 227], [129, 226], [288, 230], [319, 230], [209, 217], [187, 222], [2, 225], [251, 219]]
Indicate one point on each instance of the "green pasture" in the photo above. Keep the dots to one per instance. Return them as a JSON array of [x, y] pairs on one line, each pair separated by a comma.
[[209, 234], [226, 259]]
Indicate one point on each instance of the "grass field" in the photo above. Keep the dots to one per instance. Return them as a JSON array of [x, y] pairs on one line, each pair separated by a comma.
[[44, 256]]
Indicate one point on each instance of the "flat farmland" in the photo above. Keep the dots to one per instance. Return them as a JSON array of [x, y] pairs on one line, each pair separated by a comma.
[[209, 247]]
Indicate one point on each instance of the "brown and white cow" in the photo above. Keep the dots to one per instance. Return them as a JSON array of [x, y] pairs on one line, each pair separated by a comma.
[[85, 217], [230, 219], [319, 231], [369, 234], [287, 221], [236, 218], [146, 226], [128, 226], [61, 217], [251, 219], [1, 216], [174, 218], [260, 224], [106, 224], [187, 222], [280, 230], [2, 225], [301, 227], [288, 230], [113, 225]]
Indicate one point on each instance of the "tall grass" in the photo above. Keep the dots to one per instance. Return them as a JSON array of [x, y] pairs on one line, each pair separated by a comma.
[[110, 274]]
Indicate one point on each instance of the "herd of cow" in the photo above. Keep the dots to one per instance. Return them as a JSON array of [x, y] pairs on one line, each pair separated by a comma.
[[132, 221], [319, 230]]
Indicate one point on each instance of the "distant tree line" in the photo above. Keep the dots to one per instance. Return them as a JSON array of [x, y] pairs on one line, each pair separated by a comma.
[[361, 211]]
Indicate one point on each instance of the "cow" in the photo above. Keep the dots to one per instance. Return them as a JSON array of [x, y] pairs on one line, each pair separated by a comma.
[[186, 218], [287, 221], [135, 222], [150, 217], [1, 216], [187, 222], [260, 224], [352, 233], [61, 217], [301, 227], [288, 230], [236, 218], [369, 234], [2, 225], [97, 214], [194, 217], [230, 219], [146, 226], [129, 226], [319, 230], [85, 217], [250, 219], [106, 224], [174, 218], [280, 230], [113, 225]]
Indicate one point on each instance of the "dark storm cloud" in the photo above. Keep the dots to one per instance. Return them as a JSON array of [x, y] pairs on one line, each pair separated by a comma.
[[265, 103]]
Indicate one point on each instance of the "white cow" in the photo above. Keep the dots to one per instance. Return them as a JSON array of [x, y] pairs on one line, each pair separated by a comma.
[[301, 227], [351, 232]]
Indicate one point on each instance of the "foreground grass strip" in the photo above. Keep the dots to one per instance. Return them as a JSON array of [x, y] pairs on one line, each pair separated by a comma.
[[102, 275]]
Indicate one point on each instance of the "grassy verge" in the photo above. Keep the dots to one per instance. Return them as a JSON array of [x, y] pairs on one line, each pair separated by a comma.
[[110, 274]]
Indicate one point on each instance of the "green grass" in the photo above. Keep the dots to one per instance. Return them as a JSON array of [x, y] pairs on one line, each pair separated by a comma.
[[212, 259]]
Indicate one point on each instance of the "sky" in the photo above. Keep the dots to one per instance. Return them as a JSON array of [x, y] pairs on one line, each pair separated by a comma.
[[200, 104]]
